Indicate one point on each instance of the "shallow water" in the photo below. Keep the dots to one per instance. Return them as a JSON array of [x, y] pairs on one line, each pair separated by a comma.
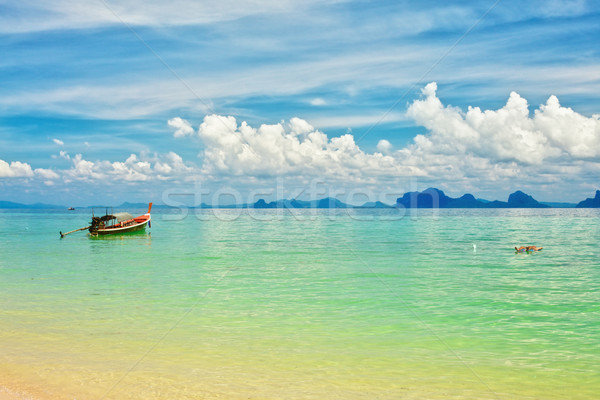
[[306, 304]]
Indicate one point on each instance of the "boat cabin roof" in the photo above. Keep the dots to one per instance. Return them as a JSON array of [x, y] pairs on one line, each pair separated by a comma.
[[123, 216]]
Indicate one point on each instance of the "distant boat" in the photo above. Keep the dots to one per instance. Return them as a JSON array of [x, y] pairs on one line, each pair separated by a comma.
[[112, 224], [71, 208]]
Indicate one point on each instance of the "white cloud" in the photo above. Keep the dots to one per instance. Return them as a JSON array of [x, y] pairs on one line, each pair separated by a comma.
[[317, 102], [83, 169], [554, 148], [15, 169], [39, 15], [473, 148], [58, 142], [173, 165], [296, 149], [133, 169], [181, 126], [572, 133], [384, 146], [47, 174], [554, 133]]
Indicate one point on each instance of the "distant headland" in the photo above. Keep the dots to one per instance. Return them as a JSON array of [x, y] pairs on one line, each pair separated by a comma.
[[435, 198], [590, 202], [429, 198]]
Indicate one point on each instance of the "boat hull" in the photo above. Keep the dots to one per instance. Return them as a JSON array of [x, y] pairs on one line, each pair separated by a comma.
[[124, 229]]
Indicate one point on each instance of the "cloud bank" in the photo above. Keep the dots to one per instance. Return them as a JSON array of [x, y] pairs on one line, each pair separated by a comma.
[[477, 150], [134, 169], [473, 148], [295, 148]]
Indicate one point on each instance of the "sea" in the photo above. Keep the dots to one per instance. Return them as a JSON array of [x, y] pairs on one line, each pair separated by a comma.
[[302, 304]]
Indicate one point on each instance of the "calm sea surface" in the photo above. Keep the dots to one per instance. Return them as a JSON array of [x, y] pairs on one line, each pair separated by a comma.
[[314, 304]]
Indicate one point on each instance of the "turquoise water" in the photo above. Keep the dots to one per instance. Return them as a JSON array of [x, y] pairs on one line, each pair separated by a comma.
[[312, 304]]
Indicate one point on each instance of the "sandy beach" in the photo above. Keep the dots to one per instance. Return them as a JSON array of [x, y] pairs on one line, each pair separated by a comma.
[[10, 394]]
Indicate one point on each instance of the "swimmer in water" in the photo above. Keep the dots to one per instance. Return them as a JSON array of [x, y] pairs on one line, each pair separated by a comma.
[[527, 248]]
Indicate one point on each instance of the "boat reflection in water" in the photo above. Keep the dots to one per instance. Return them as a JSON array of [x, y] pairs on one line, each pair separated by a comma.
[[139, 237]]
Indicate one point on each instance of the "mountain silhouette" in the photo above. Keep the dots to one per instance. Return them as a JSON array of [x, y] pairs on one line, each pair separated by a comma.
[[590, 202], [435, 198]]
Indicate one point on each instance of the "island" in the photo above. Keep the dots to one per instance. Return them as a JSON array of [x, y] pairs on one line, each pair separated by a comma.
[[435, 198], [590, 202]]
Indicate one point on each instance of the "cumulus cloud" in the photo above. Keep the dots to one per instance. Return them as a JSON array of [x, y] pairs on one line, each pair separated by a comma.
[[181, 126], [554, 133], [18, 169], [172, 165], [83, 169], [133, 169], [554, 145], [58, 142], [295, 148], [15, 169], [384, 146], [474, 147]]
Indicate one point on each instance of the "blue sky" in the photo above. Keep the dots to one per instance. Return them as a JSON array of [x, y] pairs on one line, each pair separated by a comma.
[[109, 101]]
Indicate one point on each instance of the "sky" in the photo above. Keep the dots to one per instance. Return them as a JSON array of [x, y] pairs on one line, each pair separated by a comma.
[[193, 101]]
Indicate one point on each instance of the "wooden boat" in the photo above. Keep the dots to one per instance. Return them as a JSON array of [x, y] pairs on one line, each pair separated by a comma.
[[113, 224], [119, 223]]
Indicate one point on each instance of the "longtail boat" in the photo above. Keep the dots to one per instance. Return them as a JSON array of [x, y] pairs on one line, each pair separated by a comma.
[[118, 223]]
